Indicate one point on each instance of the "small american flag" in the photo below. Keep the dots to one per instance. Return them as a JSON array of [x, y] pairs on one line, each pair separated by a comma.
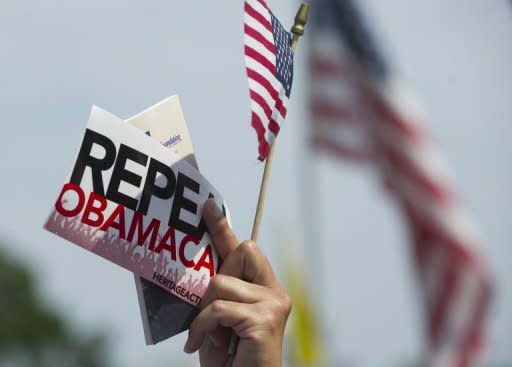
[[269, 65], [356, 115]]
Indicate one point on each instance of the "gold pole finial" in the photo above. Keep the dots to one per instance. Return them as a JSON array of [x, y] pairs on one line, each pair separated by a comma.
[[300, 20], [300, 23]]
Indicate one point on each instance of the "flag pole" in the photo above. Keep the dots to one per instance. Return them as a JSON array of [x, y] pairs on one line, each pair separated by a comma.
[[297, 30], [262, 195]]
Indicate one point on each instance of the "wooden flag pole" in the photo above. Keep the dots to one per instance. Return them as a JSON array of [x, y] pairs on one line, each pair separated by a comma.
[[297, 30], [262, 195]]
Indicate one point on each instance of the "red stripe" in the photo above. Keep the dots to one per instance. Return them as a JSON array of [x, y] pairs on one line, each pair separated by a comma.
[[263, 3], [263, 104], [265, 83], [338, 70], [475, 335], [252, 53], [340, 113], [339, 150], [274, 127], [427, 230], [253, 33], [449, 284], [421, 240], [263, 147], [389, 115], [330, 67], [470, 344], [258, 16], [401, 162]]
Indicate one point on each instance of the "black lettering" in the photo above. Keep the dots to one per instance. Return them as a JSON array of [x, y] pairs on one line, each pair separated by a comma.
[[152, 189], [120, 173], [181, 202], [85, 159]]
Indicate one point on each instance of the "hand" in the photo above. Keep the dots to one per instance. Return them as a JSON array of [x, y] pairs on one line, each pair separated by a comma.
[[245, 298]]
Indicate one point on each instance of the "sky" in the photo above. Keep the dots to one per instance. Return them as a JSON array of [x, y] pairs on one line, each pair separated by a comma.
[[59, 57]]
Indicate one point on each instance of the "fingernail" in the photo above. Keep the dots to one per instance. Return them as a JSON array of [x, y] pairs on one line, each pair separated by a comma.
[[188, 346]]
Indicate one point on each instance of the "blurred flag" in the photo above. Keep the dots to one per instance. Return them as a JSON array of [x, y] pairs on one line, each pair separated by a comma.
[[269, 65], [304, 347], [358, 114]]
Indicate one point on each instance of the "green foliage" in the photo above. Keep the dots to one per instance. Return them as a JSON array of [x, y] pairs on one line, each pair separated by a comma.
[[33, 335]]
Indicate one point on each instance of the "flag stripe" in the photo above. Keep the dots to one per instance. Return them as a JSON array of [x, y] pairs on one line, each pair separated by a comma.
[[265, 83], [328, 67], [332, 112], [263, 51], [274, 127], [263, 4], [403, 163], [260, 28], [253, 33], [340, 150], [258, 57], [257, 124], [257, 98], [249, 10]]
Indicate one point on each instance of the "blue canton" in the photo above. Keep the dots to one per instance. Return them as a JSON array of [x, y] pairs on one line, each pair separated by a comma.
[[345, 18], [284, 55]]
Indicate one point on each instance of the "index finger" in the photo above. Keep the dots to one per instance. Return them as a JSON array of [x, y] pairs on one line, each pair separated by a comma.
[[224, 239]]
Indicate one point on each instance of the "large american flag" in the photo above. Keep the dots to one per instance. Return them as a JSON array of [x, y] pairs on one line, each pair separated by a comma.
[[269, 65], [360, 113]]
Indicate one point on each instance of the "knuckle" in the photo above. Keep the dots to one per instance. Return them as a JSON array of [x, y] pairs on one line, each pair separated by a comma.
[[265, 314], [248, 247], [218, 306], [217, 282], [286, 303], [281, 305], [269, 320]]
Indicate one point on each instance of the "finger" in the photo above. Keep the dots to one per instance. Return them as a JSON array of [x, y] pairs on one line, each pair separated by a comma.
[[230, 289], [224, 239], [219, 313], [249, 263], [220, 337], [210, 355]]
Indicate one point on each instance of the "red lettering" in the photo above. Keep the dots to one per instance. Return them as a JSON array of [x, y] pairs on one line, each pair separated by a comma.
[[81, 200], [97, 210], [170, 235], [186, 240], [206, 261], [142, 235], [111, 221]]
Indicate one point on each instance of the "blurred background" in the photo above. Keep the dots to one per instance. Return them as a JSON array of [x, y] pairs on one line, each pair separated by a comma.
[[62, 306]]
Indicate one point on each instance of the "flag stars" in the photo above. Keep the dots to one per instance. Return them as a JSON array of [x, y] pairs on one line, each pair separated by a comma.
[[284, 55]]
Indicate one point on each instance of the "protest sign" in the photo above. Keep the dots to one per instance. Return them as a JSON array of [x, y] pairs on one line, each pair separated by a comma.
[[138, 204]]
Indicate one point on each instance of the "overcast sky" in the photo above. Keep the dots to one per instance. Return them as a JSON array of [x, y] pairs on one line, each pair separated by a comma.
[[58, 57]]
